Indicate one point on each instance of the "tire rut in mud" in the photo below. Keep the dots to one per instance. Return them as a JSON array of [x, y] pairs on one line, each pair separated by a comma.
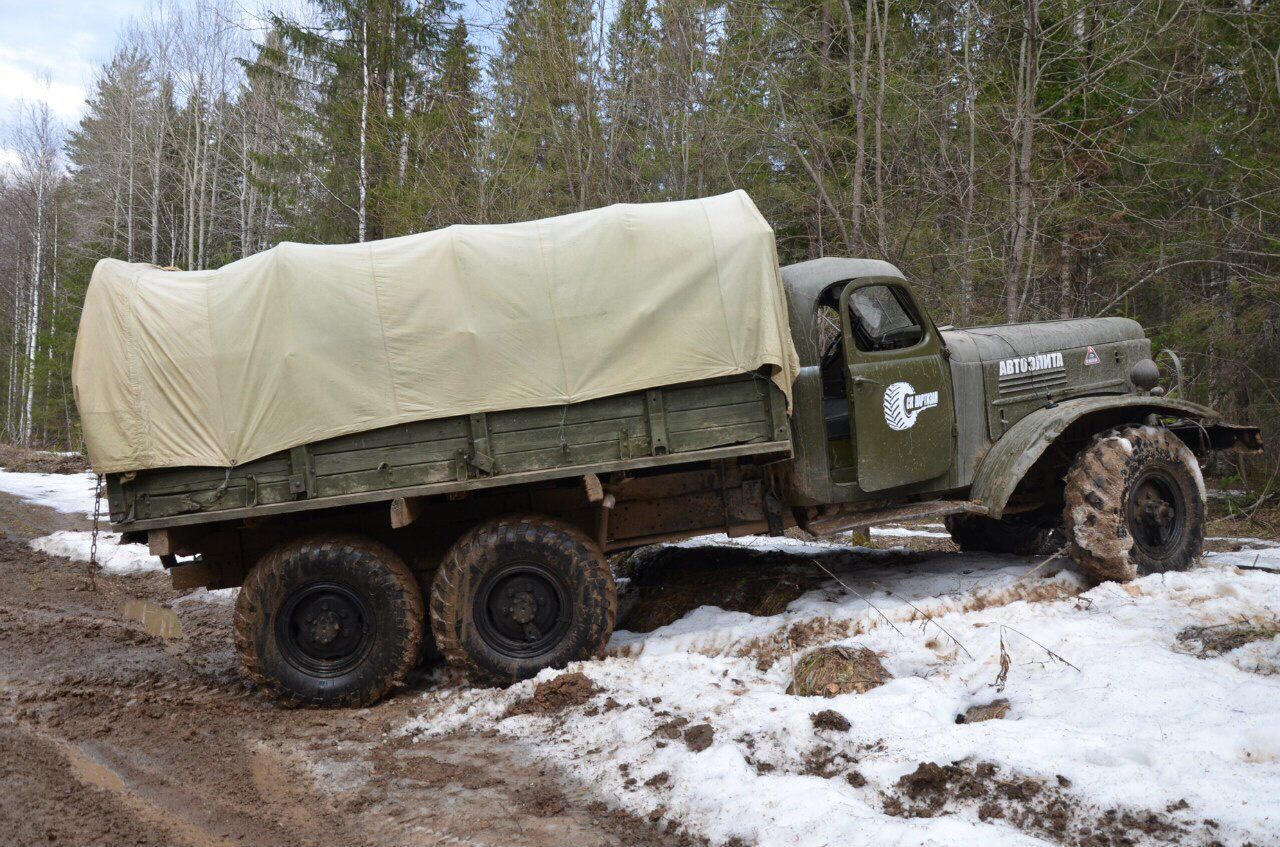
[[110, 734]]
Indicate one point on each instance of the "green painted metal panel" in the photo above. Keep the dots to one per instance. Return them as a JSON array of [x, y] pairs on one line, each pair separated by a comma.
[[1012, 456], [707, 416], [900, 402]]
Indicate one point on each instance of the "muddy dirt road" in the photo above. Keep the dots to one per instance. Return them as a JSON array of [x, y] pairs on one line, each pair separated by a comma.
[[110, 734]]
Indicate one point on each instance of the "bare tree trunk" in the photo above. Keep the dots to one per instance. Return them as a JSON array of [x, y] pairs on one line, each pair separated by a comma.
[[1066, 277], [192, 172], [970, 188], [39, 155], [157, 154], [858, 89], [206, 228], [364, 124], [881, 229], [1020, 159], [130, 126]]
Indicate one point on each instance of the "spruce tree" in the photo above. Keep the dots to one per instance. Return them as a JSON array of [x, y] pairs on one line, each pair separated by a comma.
[[362, 77]]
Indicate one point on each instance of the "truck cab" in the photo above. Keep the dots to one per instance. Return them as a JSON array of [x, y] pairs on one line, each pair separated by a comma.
[[978, 425]]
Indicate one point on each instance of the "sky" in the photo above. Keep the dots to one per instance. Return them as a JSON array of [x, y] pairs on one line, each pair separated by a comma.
[[62, 40], [49, 50]]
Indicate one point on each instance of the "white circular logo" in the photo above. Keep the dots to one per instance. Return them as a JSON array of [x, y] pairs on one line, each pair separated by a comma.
[[902, 405]]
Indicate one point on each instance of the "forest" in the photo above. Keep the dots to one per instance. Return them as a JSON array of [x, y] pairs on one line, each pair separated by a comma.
[[1019, 159]]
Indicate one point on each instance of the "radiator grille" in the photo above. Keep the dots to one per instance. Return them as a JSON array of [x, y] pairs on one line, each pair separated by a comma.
[[1034, 383]]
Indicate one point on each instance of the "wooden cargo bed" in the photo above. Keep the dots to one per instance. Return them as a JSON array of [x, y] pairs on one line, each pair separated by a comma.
[[710, 420]]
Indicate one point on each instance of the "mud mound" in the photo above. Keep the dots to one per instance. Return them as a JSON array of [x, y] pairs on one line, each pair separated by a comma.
[[1033, 806], [699, 737], [830, 719], [556, 695], [1206, 642], [993, 711], [24, 460], [829, 671]]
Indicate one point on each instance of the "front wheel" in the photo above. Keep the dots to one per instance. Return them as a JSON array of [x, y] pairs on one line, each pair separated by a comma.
[[1134, 505], [519, 594], [329, 620]]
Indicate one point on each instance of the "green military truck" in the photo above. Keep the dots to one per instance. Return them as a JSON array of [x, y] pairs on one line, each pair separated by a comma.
[[485, 525]]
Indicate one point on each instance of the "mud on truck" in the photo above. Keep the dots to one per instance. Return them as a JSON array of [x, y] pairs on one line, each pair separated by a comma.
[[439, 438]]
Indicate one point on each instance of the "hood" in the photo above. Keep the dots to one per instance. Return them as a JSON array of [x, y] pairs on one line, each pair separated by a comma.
[[1028, 366], [1007, 341]]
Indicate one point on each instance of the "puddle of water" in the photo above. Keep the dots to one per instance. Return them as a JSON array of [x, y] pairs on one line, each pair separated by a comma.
[[92, 772], [179, 830], [154, 618]]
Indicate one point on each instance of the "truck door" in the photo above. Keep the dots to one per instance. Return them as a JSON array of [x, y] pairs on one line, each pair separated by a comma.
[[899, 386]]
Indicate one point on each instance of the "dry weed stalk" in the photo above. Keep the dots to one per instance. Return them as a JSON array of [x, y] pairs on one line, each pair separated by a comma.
[[1006, 663], [855, 593], [928, 618]]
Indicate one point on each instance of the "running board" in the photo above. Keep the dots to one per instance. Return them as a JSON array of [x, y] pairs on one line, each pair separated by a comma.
[[914, 512]]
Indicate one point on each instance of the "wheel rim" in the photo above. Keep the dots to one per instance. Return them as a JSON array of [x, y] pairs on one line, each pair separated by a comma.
[[1156, 513], [325, 629], [522, 610]]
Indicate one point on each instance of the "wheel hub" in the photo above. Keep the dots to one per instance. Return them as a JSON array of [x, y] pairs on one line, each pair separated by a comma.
[[324, 629], [522, 610], [1155, 512], [523, 607]]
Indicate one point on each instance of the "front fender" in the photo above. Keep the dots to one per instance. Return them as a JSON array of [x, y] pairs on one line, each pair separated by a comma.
[[1007, 462]]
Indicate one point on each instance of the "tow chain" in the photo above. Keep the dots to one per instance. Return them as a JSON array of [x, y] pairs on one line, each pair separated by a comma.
[[93, 543]]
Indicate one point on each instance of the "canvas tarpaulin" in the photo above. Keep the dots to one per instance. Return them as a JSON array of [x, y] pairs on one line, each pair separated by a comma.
[[305, 342]]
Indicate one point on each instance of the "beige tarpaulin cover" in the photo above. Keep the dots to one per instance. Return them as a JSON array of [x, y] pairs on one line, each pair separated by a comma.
[[305, 342]]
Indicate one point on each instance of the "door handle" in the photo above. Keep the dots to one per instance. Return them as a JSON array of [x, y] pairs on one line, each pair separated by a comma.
[[859, 381]]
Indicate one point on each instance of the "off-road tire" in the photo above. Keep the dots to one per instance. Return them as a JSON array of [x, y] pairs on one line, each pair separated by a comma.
[[392, 635], [978, 534], [424, 573], [473, 572], [1101, 485]]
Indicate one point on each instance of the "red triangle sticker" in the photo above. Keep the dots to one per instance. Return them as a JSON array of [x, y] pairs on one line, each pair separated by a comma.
[[1091, 357]]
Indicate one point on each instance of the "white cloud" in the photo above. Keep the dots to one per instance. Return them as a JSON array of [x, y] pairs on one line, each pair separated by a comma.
[[50, 50], [21, 84]]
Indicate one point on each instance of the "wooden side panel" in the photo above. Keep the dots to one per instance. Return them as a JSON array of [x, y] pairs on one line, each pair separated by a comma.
[[684, 419]]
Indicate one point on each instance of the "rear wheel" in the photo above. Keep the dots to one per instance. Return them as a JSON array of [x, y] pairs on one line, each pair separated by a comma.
[[1135, 505], [331, 620], [519, 594], [977, 534]]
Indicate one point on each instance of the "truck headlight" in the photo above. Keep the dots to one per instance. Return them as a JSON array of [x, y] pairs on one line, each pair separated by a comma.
[[1145, 375]]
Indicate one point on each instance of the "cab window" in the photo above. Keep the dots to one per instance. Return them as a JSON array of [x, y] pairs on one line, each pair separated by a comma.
[[882, 319]]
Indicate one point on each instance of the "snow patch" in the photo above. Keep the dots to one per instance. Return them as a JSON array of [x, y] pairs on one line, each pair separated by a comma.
[[762, 543], [1244, 539], [70, 493], [214, 597], [74, 493], [1130, 722], [906, 532], [113, 556]]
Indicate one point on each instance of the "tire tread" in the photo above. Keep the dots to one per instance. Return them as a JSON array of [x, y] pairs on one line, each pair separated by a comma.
[[449, 600], [353, 548]]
